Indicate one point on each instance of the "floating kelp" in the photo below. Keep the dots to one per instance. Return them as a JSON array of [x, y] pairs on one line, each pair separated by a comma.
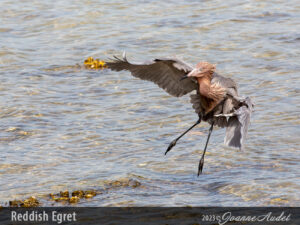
[[79, 194], [29, 202], [15, 203], [90, 193], [89, 63], [73, 197], [92, 63], [125, 182], [64, 196]]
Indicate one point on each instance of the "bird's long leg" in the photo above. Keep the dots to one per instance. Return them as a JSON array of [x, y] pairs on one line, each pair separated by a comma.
[[173, 143], [201, 162]]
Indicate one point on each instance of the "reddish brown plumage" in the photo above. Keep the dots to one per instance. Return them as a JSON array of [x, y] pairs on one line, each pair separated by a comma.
[[212, 94]]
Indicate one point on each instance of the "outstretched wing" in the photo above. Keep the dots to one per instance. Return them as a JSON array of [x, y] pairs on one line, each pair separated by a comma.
[[165, 72]]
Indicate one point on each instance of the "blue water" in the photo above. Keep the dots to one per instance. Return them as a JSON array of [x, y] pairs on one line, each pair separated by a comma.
[[64, 127]]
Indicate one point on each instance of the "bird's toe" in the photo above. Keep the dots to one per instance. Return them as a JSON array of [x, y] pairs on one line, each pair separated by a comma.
[[171, 145], [200, 168]]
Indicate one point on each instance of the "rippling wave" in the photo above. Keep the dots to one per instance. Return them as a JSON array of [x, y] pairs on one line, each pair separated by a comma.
[[65, 127]]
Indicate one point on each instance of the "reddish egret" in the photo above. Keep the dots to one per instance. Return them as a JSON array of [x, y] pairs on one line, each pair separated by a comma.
[[216, 100]]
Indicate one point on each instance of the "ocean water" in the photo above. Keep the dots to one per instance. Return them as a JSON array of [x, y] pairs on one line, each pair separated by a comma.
[[64, 127]]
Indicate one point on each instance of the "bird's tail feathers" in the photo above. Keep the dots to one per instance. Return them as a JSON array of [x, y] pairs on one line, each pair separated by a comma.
[[237, 126]]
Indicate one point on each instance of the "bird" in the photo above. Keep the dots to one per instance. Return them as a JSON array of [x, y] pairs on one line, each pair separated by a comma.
[[215, 98]]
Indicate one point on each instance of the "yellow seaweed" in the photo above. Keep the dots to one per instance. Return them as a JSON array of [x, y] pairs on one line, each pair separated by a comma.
[[78, 194], [92, 63], [90, 193], [73, 200], [29, 202], [64, 194]]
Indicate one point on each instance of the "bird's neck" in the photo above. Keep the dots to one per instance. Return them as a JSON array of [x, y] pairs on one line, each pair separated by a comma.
[[214, 93], [204, 85]]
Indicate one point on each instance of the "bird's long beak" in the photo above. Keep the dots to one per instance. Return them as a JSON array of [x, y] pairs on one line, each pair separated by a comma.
[[184, 77]]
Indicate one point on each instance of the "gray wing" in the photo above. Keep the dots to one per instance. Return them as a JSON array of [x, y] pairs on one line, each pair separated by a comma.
[[196, 102], [165, 72], [237, 127], [233, 100], [225, 82]]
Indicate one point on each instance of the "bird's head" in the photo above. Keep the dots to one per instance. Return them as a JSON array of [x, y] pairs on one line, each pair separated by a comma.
[[202, 69]]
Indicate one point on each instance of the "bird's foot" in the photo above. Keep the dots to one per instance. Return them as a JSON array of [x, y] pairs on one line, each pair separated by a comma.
[[201, 163], [171, 145]]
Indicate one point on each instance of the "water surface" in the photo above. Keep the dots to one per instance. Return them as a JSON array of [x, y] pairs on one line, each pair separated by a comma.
[[66, 128]]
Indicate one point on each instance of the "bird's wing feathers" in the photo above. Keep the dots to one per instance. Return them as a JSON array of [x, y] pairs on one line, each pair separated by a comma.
[[165, 72], [225, 82], [196, 102], [237, 128]]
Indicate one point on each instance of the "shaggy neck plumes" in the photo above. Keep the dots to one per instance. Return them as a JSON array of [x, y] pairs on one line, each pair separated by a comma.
[[213, 93]]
